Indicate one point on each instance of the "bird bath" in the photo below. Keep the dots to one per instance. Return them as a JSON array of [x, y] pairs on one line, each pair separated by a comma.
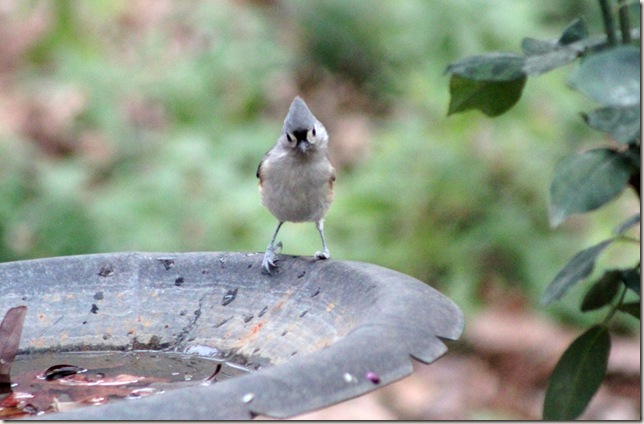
[[314, 334]]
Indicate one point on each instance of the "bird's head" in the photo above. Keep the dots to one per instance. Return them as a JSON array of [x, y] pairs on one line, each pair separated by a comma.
[[302, 131]]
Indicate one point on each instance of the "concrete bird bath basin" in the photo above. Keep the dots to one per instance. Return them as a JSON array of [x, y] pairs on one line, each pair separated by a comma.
[[315, 334]]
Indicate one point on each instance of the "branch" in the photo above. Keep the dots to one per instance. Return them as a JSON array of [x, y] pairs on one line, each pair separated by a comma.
[[609, 23], [624, 24]]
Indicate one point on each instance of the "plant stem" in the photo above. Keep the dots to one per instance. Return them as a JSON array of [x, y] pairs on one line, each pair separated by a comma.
[[614, 308], [628, 239], [624, 25], [609, 23]]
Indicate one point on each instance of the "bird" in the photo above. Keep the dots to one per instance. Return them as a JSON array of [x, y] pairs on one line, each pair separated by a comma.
[[296, 177]]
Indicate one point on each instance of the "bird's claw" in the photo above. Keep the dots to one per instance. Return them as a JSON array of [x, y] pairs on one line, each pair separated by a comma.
[[270, 257], [324, 254], [268, 264]]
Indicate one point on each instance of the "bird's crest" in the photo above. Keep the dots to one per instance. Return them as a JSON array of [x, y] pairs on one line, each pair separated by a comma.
[[299, 117]]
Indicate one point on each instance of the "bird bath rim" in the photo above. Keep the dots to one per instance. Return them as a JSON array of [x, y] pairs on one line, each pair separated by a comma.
[[382, 319]]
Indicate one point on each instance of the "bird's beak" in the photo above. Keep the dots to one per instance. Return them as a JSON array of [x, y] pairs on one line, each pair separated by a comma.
[[303, 145]]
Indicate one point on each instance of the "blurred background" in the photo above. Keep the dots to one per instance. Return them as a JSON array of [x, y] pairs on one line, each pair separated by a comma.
[[138, 126]]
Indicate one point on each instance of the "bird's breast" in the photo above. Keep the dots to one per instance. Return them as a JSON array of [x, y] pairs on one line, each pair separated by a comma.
[[297, 191]]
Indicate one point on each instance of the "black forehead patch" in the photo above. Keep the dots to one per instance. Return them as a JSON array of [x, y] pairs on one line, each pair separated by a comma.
[[300, 134]]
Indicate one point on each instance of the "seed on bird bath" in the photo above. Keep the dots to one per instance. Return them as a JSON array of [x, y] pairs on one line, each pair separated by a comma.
[[248, 398], [373, 377], [349, 378]]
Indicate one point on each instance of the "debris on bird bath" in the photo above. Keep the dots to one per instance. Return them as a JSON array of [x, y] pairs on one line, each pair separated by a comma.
[[166, 262], [349, 378], [373, 377], [101, 377], [59, 371], [213, 375], [10, 331], [106, 271], [230, 295], [201, 350]]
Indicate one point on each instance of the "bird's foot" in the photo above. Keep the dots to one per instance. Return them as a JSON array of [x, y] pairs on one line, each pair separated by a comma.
[[324, 254], [270, 258]]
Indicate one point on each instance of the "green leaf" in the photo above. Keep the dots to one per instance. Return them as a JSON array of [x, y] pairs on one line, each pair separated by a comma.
[[575, 31], [611, 77], [586, 181], [578, 268], [538, 64], [631, 308], [603, 291], [491, 83], [493, 98], [489, 67], [623, 123], [635, 12], [635, 219], [544, 56], [631, 278], [532, 46], [577, 375]]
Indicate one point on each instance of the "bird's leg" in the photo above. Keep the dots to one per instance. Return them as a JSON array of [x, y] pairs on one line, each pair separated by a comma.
[[268, 264], [324, 254]]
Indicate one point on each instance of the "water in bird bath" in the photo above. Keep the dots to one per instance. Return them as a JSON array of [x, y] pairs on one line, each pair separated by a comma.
[[53, 382]]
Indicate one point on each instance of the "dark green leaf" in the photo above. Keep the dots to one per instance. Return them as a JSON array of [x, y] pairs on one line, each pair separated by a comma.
[[578, 268], [631, 278], [623, 123], [635, 219], [586, 181], [490, 97], [611, 77], [602, 292], [489, 67], [577, 375], [575, 31], [632, 308]]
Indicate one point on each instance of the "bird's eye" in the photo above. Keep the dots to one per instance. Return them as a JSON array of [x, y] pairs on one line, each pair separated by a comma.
[[313, 131], [288, 137]]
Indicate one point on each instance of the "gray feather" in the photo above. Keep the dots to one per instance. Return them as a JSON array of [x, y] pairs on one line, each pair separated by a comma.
[[299, 117]]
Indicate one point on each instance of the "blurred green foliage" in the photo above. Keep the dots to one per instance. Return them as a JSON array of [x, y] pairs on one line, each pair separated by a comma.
[[167, 108], [608, 73]]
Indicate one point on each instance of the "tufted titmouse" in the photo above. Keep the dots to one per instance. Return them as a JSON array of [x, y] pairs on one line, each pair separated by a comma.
[[296, 177]]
